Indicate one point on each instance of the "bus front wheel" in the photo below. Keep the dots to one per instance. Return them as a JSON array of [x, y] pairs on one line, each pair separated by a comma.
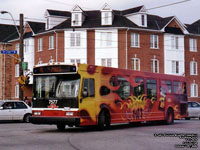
[[61, 127], [169, 117], [103, 120]]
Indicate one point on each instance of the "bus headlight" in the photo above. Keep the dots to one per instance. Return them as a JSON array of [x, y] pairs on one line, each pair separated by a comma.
[[69, 113], [37, 113]]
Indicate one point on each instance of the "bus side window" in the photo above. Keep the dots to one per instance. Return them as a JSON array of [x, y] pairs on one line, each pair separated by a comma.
[[89, 87], [139, 89], [166, 87], [124, 90], [178, 87], [151, 89]]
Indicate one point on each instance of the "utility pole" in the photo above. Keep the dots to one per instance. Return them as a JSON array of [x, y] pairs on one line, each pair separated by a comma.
[[21, 53]]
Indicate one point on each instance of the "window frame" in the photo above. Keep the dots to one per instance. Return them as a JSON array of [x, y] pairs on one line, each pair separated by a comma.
[[51, 42], [193, 68], [40, 44], [154, 68], [175, 70], [135, 64], [154, 41], [135, 39], [17, 91], [192, 90], [193, 45], [16, 70], [75, 39]]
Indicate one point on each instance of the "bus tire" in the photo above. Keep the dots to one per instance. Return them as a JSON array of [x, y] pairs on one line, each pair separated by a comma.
[[103, 120], [61, 127], [169, 117], [188, 118]]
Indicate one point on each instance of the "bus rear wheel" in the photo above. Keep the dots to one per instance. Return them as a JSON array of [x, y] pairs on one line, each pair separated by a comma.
[[61, 127], [169, 117]]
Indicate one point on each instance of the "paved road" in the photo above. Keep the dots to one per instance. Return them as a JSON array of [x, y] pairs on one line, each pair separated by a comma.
[[22, 136]]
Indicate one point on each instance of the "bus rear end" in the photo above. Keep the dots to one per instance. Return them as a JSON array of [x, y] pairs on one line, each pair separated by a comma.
[[55, 95]]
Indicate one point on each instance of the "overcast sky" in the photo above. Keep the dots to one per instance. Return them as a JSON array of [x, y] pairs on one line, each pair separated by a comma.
[[187, 12]]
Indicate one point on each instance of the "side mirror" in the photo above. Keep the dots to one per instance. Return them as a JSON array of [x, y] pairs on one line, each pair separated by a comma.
[[1, 108], [85, 92]]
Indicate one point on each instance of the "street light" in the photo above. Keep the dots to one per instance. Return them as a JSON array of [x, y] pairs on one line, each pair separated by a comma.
[[21, 46], [6, 12]]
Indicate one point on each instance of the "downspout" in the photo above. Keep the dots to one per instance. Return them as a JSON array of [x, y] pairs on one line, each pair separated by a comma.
[[127, 48], [56, 46], [4, 82]]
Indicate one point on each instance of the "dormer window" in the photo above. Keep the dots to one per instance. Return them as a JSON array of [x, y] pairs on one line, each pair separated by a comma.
[[137, 15], [75, 21], [78, 16], [143, 21], [106, 15]]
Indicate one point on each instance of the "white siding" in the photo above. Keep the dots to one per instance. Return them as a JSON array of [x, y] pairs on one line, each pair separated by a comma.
[[137, 19], [29, 56], [106, 52], [53, 21], [76, 52], [173, 54]]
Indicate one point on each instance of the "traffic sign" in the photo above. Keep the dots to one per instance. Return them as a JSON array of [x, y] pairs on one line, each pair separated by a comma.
[[8, 51]]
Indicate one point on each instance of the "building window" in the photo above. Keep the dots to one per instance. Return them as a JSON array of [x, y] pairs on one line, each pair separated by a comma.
[[39, 61], [40, 44], [17, 48], [106, 18], [106, 39], [135, 64], [51, 42], [135, 40], [106, 62], [143, 23], [155, 66], [175, 42], [75, 61], [194, 90], [26, 44], [175, 67], [193, 68], [16, 91], [17, 70], [193, 45], [76, 19], [75, 39], [153, 41]]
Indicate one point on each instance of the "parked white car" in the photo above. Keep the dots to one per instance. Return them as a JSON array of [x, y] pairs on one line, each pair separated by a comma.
[[14, 110], [193, 110]]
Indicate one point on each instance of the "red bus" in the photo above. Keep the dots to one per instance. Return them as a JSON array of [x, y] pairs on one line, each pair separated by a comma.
[[95, 95]]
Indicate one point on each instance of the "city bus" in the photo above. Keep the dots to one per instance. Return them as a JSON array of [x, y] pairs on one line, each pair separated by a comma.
[[85, 95]]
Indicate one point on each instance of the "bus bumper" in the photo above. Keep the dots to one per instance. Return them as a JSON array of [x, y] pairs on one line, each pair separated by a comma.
[[55, 120]]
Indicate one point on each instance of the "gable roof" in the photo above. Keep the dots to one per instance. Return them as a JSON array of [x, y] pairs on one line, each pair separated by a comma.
[[93, 20], [194, 28], [132, 10], [36, 27], [7, 33]]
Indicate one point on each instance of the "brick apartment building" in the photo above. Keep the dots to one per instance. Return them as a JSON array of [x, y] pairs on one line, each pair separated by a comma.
[[7, 32], [129, 39]]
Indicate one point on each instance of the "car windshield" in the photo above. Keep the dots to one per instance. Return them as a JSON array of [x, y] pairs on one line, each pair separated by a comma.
[[56, 86]]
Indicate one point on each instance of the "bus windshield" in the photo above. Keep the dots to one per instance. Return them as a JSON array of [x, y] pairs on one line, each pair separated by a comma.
[[56, 86]]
